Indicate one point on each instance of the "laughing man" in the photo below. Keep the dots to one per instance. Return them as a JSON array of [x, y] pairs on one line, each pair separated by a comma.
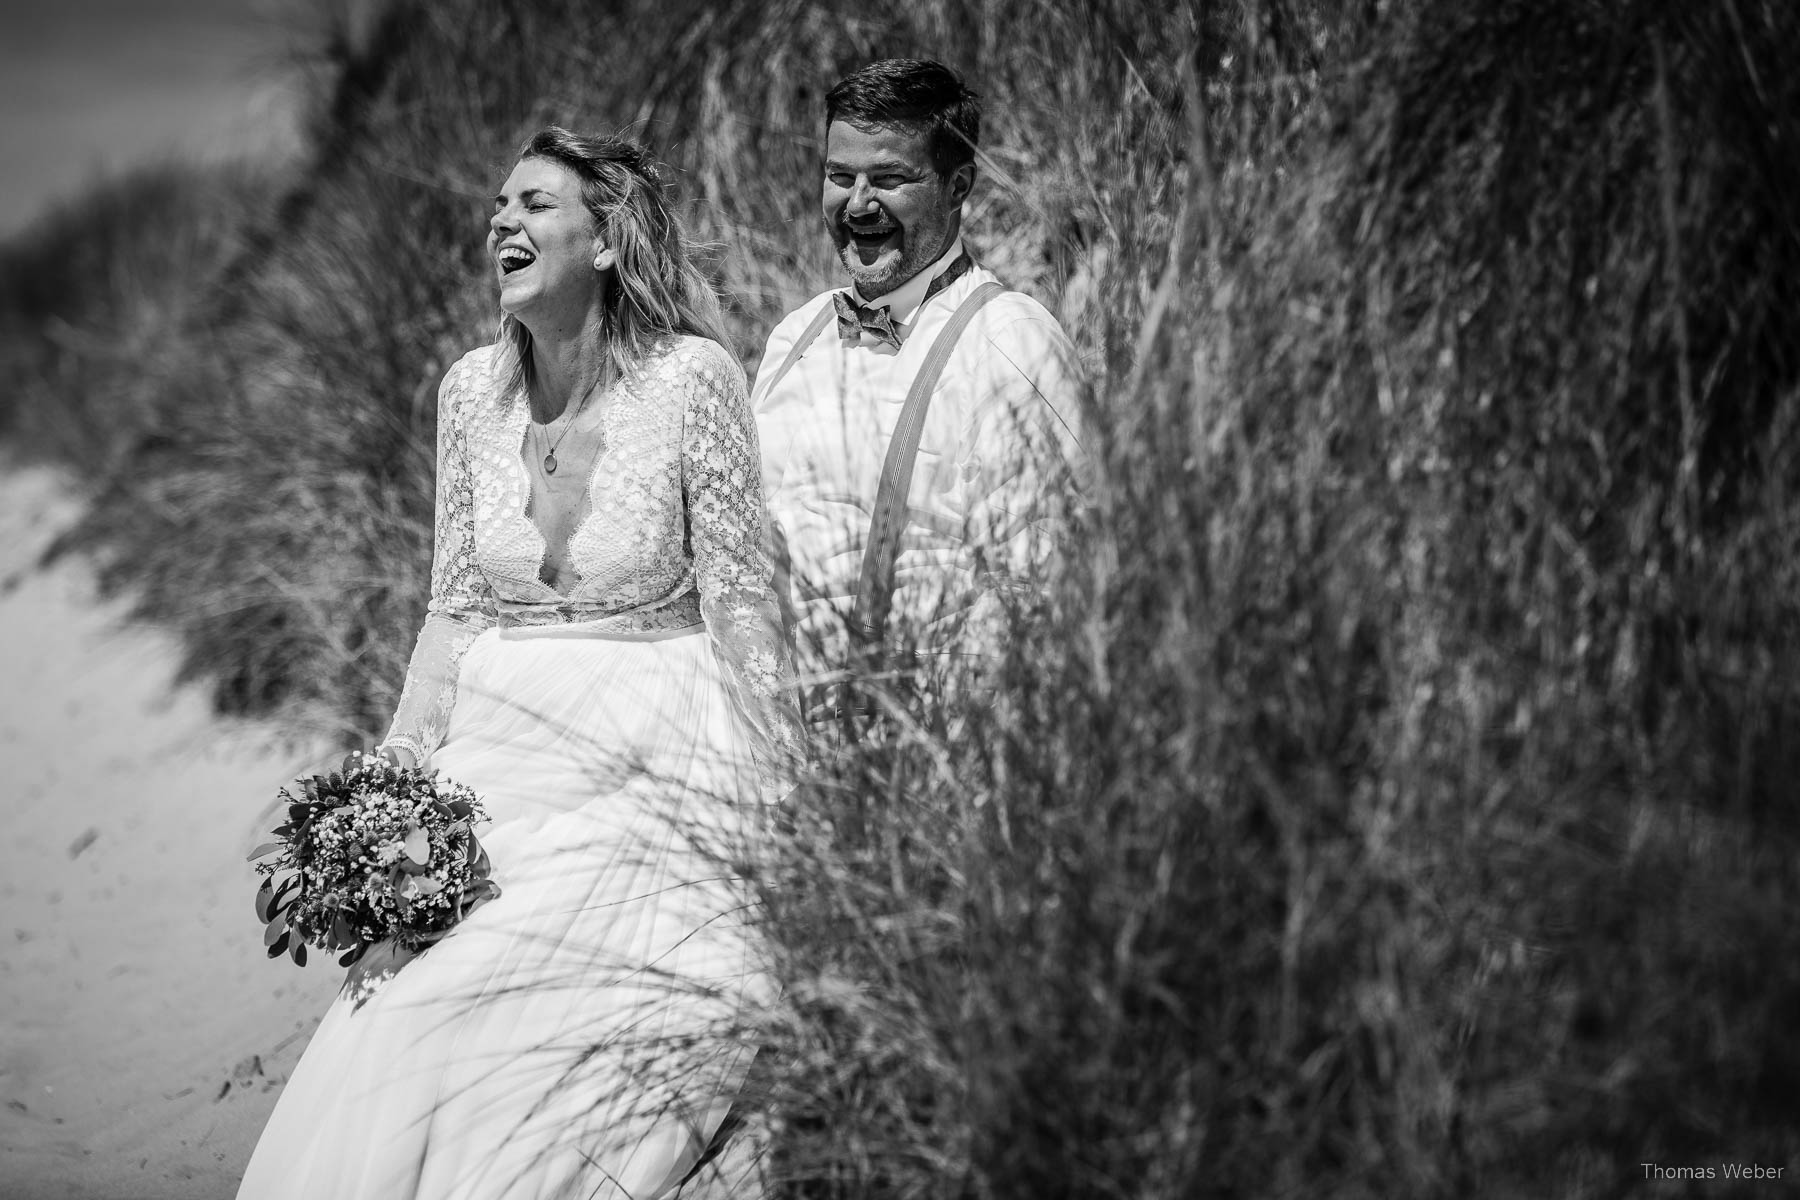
[[846, 374]]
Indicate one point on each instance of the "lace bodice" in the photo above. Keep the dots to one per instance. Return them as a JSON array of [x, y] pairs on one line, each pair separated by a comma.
[[673, 537]]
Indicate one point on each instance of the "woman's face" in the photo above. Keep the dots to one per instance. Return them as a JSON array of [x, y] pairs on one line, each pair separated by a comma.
[[542, 241]]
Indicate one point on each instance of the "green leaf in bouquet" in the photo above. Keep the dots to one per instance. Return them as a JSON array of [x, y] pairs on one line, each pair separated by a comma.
[[472, 901], [276, 928], [341, 934], [265, 897], [298, 950], [280, 946], [461, 808], [349, 960], [418, 845], [287, 886], [265, 848]]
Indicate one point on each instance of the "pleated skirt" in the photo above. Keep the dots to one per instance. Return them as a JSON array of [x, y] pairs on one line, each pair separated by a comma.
[[575, 1036]]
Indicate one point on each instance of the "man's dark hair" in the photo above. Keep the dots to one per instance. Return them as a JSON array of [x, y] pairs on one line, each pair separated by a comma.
[[897, 91]]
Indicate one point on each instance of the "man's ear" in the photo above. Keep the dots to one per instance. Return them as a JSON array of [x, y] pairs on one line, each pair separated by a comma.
[[962, 182]]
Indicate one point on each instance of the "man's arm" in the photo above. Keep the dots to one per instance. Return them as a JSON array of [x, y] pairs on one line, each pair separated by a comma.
[[1023, 451], [1017, 463]]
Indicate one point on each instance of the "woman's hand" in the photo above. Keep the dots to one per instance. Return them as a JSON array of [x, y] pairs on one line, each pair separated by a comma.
[[400, 756]]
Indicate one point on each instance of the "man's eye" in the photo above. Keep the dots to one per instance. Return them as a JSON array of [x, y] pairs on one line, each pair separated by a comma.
[[889, 182], [839, 179]]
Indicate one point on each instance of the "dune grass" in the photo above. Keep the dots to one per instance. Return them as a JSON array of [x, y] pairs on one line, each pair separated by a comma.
[[1392, 794]]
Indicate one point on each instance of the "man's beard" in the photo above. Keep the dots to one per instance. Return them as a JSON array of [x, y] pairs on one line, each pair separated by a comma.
[[919, 248]]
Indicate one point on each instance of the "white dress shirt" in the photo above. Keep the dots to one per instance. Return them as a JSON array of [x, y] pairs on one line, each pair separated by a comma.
[[999, 435]]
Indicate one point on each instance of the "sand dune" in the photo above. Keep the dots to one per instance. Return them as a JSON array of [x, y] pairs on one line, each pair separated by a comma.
[[143, 1034]]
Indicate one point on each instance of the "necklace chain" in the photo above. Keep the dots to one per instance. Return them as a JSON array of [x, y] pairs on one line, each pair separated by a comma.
[[544, 431]]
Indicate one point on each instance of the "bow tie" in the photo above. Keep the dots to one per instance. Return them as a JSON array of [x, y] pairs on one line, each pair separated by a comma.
[[854, 320]]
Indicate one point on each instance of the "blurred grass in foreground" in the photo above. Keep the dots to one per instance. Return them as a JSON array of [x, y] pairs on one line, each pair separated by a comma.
[[1394, 795]]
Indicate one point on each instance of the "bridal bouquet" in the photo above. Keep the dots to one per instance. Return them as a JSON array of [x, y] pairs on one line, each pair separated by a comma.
[[371, 852]]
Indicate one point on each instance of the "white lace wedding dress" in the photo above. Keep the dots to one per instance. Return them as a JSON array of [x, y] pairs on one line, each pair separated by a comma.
[[566, 1040]]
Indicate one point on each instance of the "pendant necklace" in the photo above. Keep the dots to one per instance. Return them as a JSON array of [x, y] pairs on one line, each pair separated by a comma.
[[550, 454]]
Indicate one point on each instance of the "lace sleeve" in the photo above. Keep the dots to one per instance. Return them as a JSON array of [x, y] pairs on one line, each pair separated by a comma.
[[461, 604], [722, 485]]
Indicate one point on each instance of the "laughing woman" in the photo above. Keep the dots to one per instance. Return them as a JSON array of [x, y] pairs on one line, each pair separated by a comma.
[[602, 661]]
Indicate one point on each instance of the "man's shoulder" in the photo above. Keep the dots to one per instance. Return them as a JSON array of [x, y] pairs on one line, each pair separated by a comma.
[[1015, 357], [1012, 312], [797, 319], [783, 339]]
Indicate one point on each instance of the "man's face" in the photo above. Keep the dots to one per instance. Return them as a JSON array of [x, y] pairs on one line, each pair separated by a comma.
[[889, 212]]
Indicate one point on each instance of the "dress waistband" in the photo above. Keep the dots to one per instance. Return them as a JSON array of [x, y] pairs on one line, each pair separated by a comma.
[[614, 628], [677, 617]]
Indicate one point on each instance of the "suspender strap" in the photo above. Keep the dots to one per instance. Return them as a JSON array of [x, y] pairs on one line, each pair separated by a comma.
[[875, 592], [801, 345]]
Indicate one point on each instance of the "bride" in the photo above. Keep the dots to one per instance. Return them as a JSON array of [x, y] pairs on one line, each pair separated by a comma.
[[603, 661]]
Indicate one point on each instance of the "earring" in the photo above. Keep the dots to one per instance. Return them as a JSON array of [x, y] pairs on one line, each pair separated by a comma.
[[599, 264]]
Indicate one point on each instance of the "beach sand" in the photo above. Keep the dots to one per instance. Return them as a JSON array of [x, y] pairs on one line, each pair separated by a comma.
[[144, 1035]]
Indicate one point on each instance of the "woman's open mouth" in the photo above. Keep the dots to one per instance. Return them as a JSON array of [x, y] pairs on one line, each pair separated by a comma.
[[514, 258]]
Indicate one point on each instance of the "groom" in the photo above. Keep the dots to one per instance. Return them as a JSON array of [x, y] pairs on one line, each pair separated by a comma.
[[914, 424]]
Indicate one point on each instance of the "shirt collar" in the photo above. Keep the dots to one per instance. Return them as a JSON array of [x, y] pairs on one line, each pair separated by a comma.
[[903, 302]]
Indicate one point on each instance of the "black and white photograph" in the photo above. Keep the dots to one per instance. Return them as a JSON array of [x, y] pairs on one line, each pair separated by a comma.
[[960, 600]]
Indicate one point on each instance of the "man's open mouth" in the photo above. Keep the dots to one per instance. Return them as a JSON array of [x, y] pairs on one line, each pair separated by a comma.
[[514, 258], [869, 241]]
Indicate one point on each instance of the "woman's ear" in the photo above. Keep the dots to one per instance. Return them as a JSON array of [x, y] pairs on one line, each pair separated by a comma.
[[605, 257]]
